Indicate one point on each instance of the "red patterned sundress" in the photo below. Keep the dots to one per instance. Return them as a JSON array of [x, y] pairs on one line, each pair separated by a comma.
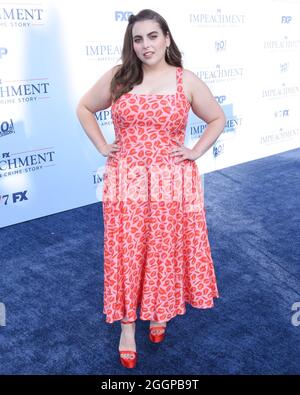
[[157, 254]]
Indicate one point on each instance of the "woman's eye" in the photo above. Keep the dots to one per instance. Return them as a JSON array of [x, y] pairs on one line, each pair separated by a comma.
[[137, 40]]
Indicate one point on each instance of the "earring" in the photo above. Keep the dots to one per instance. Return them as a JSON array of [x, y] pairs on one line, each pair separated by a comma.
[[168, 53]]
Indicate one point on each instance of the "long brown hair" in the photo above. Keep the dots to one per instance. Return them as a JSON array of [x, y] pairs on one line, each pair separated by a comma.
[[130, 72]]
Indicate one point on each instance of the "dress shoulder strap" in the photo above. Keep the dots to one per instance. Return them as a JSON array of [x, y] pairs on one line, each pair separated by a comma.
[[179, 74]]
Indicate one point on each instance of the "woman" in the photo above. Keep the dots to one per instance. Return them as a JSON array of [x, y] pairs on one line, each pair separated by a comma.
[[156, 249]]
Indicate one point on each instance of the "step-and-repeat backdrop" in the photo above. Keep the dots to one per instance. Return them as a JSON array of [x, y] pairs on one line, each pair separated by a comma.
[[52, 51]]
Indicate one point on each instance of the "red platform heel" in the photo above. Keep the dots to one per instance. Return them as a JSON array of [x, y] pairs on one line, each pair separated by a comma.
[[157, 337], [128, 358]]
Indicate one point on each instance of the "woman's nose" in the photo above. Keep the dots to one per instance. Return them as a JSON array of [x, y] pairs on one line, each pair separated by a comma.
[[146, 44]]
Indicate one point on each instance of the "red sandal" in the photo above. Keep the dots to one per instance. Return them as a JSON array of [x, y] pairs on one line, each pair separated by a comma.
[[157, 337], [128, 358]]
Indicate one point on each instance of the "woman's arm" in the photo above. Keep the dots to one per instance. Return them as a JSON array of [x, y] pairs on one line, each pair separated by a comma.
[[97, 98], [205, 106]]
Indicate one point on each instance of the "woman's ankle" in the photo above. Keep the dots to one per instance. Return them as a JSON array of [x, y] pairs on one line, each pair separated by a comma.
[[158, 323], [127, 339]]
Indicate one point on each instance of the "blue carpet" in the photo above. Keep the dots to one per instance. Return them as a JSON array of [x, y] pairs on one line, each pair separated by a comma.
[[51, 281]]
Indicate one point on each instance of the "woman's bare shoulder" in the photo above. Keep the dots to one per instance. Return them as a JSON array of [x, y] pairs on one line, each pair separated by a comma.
[[98, 97], [189, 79], [192, 82]]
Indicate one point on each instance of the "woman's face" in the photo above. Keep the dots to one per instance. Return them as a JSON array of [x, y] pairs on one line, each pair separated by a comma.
[[149, 42]]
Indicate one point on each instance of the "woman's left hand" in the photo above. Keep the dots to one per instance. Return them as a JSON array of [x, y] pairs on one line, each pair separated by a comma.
[[183, 153]]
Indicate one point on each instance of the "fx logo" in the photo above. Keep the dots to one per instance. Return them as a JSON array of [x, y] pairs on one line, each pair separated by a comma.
[[3, 51], [296, 317], [122, 15], [220, 99], [19, 196], [2, 314], [286, 19]]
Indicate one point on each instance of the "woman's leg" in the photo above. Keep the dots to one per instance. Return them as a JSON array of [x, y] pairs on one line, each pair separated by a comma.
[[127, 338]]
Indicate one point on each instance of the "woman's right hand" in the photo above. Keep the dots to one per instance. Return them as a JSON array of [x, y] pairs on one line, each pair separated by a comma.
[[110, 149]]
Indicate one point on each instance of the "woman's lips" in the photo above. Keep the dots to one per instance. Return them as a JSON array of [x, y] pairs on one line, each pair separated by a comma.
[[148, 54]]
